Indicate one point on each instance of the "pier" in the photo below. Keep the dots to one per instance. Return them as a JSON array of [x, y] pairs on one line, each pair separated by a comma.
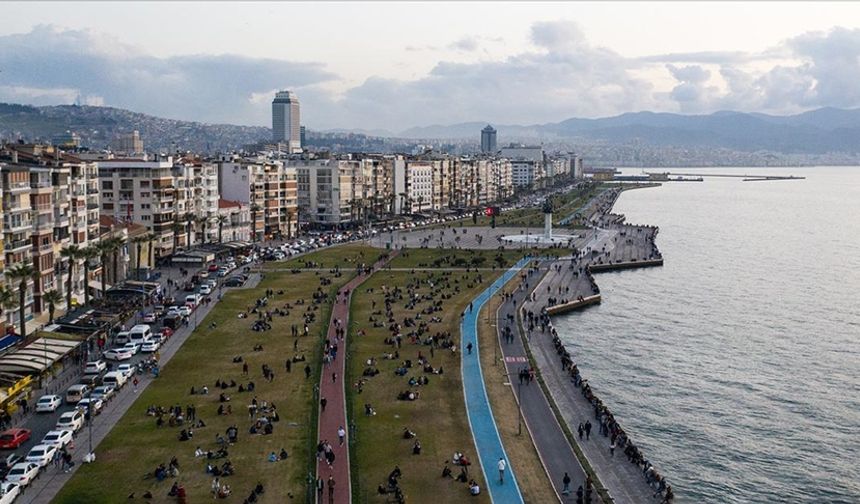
[[746, 178]]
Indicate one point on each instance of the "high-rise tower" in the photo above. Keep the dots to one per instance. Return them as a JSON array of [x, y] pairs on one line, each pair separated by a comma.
[[286, 120], [488, 140]]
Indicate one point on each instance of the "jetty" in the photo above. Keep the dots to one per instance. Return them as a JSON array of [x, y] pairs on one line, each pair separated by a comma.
[[746, 178]]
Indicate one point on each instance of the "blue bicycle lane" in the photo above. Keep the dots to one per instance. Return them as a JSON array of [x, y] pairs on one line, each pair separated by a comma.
[[478, 409]]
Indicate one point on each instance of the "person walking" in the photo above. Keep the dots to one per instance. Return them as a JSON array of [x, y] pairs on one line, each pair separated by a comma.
[[502, 465], [323, 402], [341, 434], [320, 489], [135, 382], [331, 489], [469, 348], [612, 448]]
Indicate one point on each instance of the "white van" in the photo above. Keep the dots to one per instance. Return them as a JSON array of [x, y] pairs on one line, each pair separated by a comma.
[[115, 379], [76, 392], [121, 338], [140, 334]]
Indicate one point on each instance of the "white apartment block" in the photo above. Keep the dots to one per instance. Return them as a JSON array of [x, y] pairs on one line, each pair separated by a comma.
[[270, 190], [420, 182], [331, 192]]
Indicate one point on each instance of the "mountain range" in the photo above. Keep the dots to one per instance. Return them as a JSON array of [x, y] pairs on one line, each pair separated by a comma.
[[813, 132], [820, 131]]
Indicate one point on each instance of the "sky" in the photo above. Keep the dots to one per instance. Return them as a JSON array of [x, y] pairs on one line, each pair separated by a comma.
[[390, 66]]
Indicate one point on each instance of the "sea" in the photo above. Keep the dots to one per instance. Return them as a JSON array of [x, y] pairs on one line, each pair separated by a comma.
[[736, 365]]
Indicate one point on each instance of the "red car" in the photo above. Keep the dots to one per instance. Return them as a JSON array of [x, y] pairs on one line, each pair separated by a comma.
[[213, 267], [167, 332], [13, 438]]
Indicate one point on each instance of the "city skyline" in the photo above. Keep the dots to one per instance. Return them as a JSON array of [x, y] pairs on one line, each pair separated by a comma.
[[543, 62]]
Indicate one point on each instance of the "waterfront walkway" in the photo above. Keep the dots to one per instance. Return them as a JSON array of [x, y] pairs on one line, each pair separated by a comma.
[[332, 389], [481, 420], [554, 450]]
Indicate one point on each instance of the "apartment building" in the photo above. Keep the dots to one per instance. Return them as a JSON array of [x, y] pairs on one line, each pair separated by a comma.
[[421, 178], [50, 201], [234, 221], [144, 192], [331, 192], [197, 196], [268, 188]]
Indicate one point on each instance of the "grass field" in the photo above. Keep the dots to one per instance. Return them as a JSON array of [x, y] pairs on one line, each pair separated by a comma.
[[136, 446], [347, 256], [438, 416], [531, 476]]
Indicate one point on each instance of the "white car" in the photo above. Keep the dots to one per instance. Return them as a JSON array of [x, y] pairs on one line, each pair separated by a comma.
[[149, 318], [85, 403], [9, 492], [22, 473], [71, 420], [150, 346], [127, 369], [103, 392], [48, 403], [185, 311], [205, 289], [118, 354], [41, 454], [132, 347], [58, 438]]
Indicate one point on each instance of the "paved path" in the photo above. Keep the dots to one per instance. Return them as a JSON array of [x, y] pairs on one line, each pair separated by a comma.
[[549, 439], [484, 431], [51, 479], [332, 388]]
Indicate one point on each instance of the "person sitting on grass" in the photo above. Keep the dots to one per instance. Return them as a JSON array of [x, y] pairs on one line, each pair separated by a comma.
[[416, 448], [474, 489], [408, 434], [446, 471]]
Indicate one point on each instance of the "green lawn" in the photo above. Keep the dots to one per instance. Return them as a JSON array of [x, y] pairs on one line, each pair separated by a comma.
[[451, 258], [347, 256], [438, 417], [136, 446]]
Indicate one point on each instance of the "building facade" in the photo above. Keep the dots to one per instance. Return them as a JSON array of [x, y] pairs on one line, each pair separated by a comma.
[[488, 140], [286, 120]]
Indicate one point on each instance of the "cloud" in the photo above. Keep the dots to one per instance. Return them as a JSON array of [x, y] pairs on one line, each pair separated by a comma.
[[561, 75], [57, 66]]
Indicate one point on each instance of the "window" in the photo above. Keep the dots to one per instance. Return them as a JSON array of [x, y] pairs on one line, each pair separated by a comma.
[[107, 185]]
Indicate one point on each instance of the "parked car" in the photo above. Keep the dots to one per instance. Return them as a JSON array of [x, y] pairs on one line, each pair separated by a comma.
[[205, 289], [118, 354], [7, 463], [213, 267], [103, 392], [150, 346], [58, 438], [9, 491], [90, 402], [90, 380], [95, 367], [166, 333], [150, 318], [127, 369], [48, 403], [76, 392], [71, 420], [13, 438], [132, 347], [121, 338], [22, 473], [41, 454]]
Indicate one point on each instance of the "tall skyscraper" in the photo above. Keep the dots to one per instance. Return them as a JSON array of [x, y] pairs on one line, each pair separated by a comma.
[[286, 120], [488, 140]]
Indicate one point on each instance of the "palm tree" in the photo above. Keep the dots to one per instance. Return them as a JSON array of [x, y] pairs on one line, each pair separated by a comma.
[[8, 301], [189, 222], [254, 209], [114, 245], [52, 298], [420, 202], [289, 224], [72, 253], [203, 221], [87, 254], [152, 238], [22, 272], [138, 241], [177, 228], [104, 248], [221, 220]]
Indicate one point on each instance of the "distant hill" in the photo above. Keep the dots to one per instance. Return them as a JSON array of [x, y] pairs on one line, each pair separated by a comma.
[[814, 132], [98, 126]]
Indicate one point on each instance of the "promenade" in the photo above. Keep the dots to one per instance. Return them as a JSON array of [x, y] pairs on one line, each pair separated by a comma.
[[336, 476]]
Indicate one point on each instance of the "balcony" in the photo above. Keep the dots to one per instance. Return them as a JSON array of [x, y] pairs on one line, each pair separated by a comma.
[[92, 206], [10, 226], [16, 245], [18, 187]]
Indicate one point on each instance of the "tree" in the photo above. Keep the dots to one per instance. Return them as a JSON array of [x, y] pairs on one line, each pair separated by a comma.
[[104, 248], [8, 301], [420, 202], [289, 224], [88, 254], [254, 209], [177, 228], [52, 298], [221, 220], [203, 221], [72, 253], [138, 242], [189, 222], [22, 272]]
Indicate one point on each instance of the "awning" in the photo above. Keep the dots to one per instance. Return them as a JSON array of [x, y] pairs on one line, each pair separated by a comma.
[[37, 356]]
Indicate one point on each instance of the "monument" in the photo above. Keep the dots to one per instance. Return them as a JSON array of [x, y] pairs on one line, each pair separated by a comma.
[[545, 239]]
